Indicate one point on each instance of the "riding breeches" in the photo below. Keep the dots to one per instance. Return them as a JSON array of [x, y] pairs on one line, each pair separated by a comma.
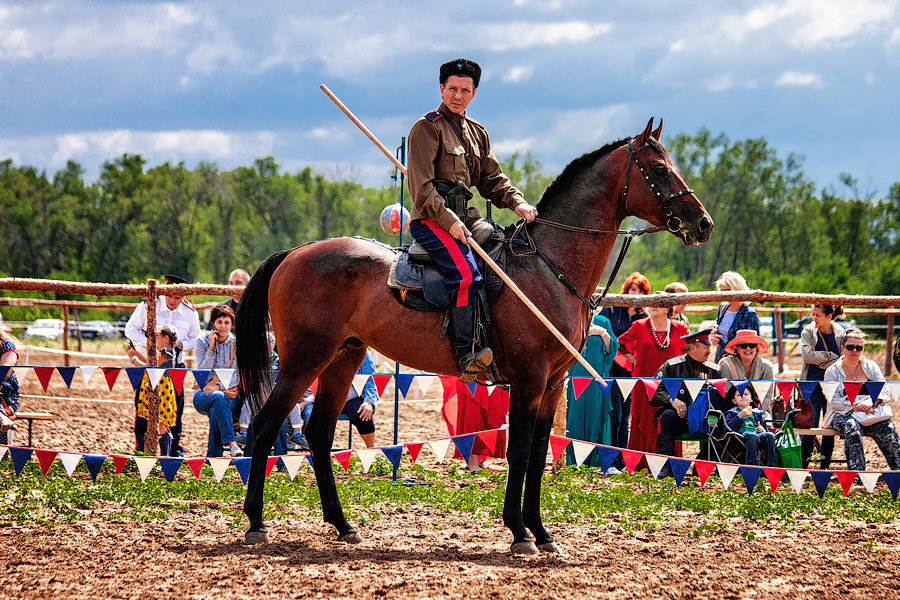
[[455, 261]]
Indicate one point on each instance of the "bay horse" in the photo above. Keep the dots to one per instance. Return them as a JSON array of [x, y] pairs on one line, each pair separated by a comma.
[[328, 300]]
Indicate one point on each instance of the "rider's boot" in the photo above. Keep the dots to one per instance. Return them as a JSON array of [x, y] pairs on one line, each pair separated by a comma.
[[469, 360]]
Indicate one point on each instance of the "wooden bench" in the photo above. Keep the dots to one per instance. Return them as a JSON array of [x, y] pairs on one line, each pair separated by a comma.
[[31, 417], [818, 431]]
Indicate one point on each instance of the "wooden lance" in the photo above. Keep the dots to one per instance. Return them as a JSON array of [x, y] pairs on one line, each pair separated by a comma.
[[478, 249]]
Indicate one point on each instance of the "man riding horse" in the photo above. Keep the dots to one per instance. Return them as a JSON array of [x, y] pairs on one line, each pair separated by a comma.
[[449, 153]]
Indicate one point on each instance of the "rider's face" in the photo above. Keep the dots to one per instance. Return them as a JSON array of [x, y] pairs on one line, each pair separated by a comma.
[[457, 92]]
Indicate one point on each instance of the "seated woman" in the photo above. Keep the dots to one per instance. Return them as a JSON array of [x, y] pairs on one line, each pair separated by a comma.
[[743, 361], [749, 420], [853, 366], [168, 407], [732, 316], [215, 350], [9, 386]]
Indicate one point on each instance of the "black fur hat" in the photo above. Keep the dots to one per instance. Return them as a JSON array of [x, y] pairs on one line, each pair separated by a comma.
[[462, 67]]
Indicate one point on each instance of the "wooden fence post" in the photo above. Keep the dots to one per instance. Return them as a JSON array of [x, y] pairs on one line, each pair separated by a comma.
[[65, 339], [151, 438], [888, 346], [779, 338]]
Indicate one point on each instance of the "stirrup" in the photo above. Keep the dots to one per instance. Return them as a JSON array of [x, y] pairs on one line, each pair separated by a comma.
[[469, 369]]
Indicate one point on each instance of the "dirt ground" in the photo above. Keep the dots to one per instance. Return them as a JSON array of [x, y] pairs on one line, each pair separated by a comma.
[[423, 553]]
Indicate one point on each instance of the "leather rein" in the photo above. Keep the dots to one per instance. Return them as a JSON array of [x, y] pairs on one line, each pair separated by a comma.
[[673, 225]]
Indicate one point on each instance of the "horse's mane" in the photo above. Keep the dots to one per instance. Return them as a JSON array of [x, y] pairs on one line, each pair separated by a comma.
[[574, 169]]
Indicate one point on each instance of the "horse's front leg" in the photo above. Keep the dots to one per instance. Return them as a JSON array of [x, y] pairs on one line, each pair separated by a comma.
[[531, 504]]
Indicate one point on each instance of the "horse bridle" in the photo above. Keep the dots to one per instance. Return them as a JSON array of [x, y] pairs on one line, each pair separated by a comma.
[[673, 225]]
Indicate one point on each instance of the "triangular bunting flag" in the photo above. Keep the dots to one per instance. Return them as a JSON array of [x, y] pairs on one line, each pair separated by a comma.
[[69, 461], [774, 476], [367, 457], [785, 388], [177, 377], [579, 384], [807, 388], [225, 376], [271, 461], [309, 459], [820, 480], [680, 468], [4, 369], [894, 389], [393, 454], [423, 383], [604, 385], [673, 386], [292, 463], [751, 475], [169, 466], [86, 373], [22, 373], [869, 479], [873, 388], [195, 465], [314, 386], [489, 439], [343, 458], [144, 465], [67, 373], [656, 463], [650, 386], [135, 374], [607, 455], [631, 458], [219, 465], [581, 450], [726, 473], [719, 384], [558, 445], [44, 374], [110, 373], [94, 462], [439, 447], [472, 387], [200, 376], [19, 456], [154, 374], [359, 382], [851, 388], [693, 386], [45, 458], [740, 385], [242, 464], [704, 469], [414, 448], [762, 388], [797, 477], [464, 444], [119, 461], [2, 452], [381, 380], [403, 382], [828, 389], [626, 386], [846, 478], [892, 480]]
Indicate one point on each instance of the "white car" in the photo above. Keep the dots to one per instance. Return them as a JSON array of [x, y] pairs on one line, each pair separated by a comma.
[[46, 329]]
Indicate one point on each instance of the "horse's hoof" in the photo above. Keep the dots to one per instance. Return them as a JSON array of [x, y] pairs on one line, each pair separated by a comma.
[[351, 538], [525, 548], [256, 537], [550, 548]]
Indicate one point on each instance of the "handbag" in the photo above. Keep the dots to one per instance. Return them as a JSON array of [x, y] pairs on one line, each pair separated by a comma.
[[882, 412], [787, 448], [803, 419]]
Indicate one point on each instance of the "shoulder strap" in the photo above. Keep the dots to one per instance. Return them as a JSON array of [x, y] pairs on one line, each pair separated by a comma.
[[434, 116]]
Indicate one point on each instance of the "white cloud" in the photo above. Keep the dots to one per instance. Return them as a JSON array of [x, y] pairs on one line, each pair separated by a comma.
[[523, 35], [508, 146], [795, 78], [519, 74]]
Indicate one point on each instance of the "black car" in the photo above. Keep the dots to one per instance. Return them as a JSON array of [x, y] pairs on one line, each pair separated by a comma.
[[93, 330]]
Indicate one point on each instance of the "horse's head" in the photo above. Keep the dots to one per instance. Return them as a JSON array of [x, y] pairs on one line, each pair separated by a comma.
[[655, 191]]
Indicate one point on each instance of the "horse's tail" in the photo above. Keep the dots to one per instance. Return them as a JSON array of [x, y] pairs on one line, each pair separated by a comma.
[[254, 361]]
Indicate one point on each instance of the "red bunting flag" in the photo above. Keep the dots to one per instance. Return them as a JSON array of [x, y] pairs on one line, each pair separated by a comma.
[[43, 375], [343, 458], [111, 373], [846, 478], [704, 469], [414, 448], [774, 476], [448, 382], [631, 458], [270, 464], [196, 465], [119, 461], [719, 384], [557, 445], [381, 380], [784, 389], [45, 459], [852, 388], [650, 386], [177, 377], [579, 384], [489, 439]]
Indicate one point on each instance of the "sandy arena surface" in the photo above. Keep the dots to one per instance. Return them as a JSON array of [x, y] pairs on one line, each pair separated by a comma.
[[423, 553]]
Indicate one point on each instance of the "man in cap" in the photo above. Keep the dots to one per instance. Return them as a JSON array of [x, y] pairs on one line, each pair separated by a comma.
[[672, 412], [180, 314], [448, 154]]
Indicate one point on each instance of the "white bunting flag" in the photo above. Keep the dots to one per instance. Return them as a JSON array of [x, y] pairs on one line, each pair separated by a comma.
[[86, 373], [2, 452], [581, 450], [869, 480], [155, 374], [367, 457], [726, 473], [625, 386], [423, 383], [359, 382], [69, 461], [219, 466], [292, 463], [21, 373], [828, 389], [439, 447], [894, 388], [797, 478], [656, 463], [224, 376], [694, 386], [762, 387], [145, 465]]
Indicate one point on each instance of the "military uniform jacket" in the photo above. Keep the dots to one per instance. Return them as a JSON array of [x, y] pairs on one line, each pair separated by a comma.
[[436, 154], [685, 367]]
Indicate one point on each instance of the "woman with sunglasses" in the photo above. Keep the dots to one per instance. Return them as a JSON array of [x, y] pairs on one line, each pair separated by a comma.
[[853, 366], [820, 347], [743, 361]]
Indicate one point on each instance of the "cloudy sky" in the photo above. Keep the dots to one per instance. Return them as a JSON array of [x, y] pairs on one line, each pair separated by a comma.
[[228, 82]]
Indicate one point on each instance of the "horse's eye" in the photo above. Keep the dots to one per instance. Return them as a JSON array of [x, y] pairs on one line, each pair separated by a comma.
[[660, 169]]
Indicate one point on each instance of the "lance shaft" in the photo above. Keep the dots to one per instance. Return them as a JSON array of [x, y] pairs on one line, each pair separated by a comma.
[[478, 249]]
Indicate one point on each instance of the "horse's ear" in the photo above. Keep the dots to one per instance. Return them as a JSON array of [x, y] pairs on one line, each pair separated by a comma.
[[645, 135], [658, 131]]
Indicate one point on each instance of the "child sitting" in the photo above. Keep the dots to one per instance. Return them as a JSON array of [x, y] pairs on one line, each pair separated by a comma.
[[750, 422]]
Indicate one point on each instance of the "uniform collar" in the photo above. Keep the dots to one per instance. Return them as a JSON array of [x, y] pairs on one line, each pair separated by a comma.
[[449, 114]]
